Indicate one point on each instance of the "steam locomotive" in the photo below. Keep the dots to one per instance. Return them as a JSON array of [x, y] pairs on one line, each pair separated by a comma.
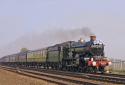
[[75, 56]]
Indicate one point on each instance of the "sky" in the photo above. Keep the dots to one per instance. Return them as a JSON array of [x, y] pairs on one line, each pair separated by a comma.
[[22, 18]]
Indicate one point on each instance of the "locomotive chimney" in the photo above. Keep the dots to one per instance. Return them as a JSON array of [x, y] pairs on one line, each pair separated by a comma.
[[92, 38]]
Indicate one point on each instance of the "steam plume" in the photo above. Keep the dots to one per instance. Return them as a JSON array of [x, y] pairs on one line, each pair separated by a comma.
[[44, 39]]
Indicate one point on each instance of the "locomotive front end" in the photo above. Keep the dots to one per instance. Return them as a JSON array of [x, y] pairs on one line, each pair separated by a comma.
[[97, 60]]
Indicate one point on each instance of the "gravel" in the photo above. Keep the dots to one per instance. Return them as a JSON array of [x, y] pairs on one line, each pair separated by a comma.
[[10, 78]]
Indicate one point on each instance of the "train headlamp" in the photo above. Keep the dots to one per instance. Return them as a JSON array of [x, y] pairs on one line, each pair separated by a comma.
[[94, 63], [92, 59], [109, 63]]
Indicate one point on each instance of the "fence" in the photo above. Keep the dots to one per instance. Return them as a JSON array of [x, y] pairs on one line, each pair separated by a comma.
[[118, 65]]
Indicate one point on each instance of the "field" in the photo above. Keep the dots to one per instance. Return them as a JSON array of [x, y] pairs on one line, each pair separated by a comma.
[[10, 78]]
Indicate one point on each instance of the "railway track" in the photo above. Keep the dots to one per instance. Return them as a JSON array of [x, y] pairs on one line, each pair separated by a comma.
[[69, 78], [115, 75], [111, 78]]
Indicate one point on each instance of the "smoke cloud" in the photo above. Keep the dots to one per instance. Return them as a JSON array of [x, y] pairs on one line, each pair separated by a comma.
[[44, 39]]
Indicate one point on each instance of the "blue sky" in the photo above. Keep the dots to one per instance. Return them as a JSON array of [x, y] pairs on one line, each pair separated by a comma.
[[106, 18]]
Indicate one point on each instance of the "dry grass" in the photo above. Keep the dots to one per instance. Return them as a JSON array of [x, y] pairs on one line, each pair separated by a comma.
[[10, 78]]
